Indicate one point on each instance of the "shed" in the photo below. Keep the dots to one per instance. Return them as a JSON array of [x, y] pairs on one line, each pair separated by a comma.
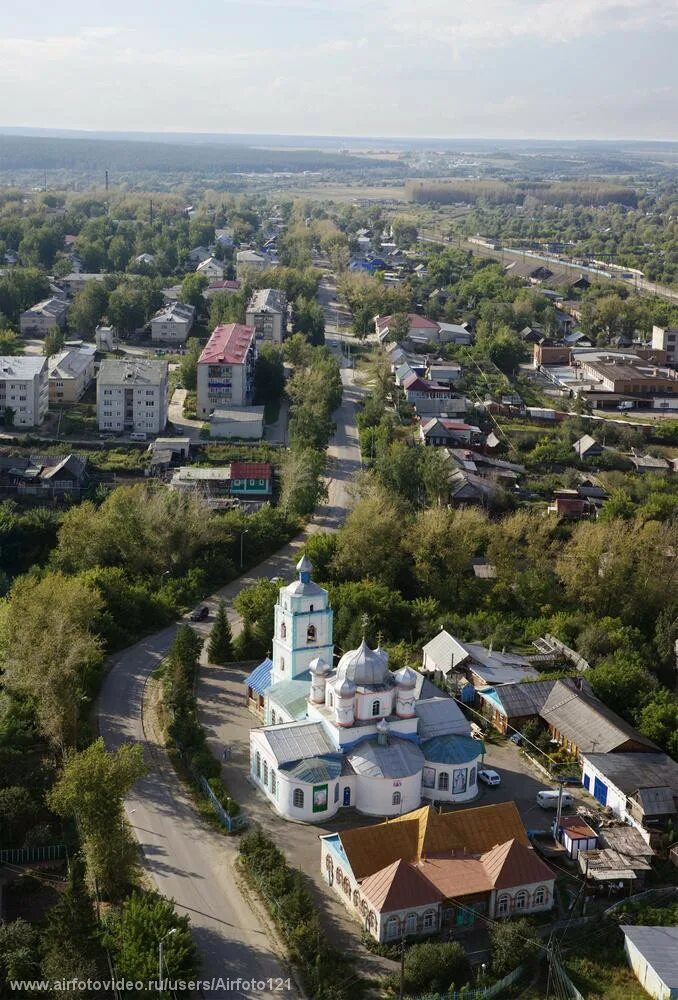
[[587, 447], [575, 835], [652, 953]]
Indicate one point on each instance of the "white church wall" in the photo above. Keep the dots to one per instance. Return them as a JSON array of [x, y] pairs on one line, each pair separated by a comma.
[[459, 782], [375, 796], [375, 704]]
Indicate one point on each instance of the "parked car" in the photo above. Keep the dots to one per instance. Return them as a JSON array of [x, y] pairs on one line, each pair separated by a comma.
[[200, 614], [548, 799], [517, 738], [276, 579], [489, 777]]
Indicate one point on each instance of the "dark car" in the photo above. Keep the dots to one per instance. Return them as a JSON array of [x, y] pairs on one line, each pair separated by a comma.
[[200, 614]]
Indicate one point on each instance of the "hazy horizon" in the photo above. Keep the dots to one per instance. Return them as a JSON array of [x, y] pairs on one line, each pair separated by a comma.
[[439, 69]]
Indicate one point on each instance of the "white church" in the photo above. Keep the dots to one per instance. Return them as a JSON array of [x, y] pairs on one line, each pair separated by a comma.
[[351, 735]]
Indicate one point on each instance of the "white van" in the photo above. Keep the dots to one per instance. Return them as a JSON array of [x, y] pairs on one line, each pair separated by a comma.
[[138, 436], [548, 799]]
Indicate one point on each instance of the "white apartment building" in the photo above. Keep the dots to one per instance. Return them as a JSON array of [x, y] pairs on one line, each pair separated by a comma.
[[40, 318], [267, 313], [24, 389], [665, 338], [172, 324], [226, 369], [132, 396]]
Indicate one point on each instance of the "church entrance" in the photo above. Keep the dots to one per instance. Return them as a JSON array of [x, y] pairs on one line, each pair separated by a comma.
[[347, 796]]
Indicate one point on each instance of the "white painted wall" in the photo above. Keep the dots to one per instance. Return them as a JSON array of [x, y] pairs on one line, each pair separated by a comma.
[[374, 796], [439, 794], [645, 974]]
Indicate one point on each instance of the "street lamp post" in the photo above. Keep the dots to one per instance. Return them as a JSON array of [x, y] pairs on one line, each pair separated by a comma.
[[172, 930], [242, 539]]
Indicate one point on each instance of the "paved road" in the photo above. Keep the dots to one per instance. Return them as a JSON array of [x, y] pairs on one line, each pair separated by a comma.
[[186, 859]]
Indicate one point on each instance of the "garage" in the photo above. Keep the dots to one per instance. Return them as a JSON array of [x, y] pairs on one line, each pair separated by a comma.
[[600, 791]]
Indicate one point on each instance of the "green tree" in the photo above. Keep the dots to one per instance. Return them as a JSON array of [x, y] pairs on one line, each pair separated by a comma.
[[71, 948], [220, 645], [54, 341], [133, 933], [91, 789], [255, 605], [192, 288], [309, 319], [88, 308], [370, 543], [189, 364], [435, 967], [658, 720], [48, 650], [507, 352], [9, 416], [513, 943], [623, 682], [19, 954], [302, 484], [269, 375], [10, 344]]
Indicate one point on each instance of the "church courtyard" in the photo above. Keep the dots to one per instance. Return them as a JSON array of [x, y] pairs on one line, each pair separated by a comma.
[[228, 723]]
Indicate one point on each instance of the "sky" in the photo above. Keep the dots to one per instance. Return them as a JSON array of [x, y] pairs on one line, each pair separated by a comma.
[[450, 68]]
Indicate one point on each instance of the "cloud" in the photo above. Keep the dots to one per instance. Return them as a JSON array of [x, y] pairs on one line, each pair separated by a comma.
[[493, 23], [343, 44]]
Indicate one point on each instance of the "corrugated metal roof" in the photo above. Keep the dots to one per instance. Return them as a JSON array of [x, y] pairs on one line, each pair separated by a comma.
[[512, 864], [452, 749], [260, 678], [397, 887], [397, 759], [425, 832], [292, 696], [297, 741], [659, 948], [587, 722], [440, 716], [631, 771]]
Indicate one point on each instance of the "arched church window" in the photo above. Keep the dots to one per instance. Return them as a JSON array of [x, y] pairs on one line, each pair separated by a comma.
[[273, 717], [356, 898], [283, 631], [310, 607], [397, 798], [330, 700], [443, 781], [265, 773], [376, 707], [257, 761], [298, 798], [282, 664], [310, 633]]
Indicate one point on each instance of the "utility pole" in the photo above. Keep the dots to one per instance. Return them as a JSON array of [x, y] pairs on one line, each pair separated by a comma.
[[106, 181], [559, 809], [401, 992]]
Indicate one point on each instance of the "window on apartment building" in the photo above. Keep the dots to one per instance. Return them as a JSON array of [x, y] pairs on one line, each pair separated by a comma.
[[23, 398], [150, 402], [150, 392]]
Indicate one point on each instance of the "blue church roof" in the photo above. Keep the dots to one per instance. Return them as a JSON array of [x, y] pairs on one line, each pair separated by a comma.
[[452, 749], [260, 678]]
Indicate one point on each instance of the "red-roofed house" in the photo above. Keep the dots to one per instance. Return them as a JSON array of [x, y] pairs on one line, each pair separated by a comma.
[[226, 369], [449, 878], [251, 479]]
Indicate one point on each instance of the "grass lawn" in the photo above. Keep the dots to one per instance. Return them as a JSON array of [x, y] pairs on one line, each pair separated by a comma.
[[595, 961]]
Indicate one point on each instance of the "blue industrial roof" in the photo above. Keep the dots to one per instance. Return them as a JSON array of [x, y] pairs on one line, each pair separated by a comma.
[[452, 749], [260, 678]]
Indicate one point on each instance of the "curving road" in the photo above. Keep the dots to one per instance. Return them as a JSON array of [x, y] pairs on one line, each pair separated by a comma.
[[184, 857]]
